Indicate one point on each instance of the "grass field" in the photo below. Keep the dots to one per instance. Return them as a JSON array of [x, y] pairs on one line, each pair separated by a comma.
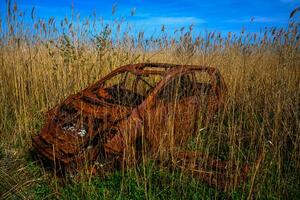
[[40, 65]]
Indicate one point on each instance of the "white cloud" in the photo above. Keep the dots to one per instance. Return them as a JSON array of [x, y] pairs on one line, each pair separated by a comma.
[[177, 20], [170, 21], [257, 19], [289, 1]]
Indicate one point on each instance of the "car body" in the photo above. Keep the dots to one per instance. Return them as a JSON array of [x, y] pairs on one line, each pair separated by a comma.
[[148, 105]]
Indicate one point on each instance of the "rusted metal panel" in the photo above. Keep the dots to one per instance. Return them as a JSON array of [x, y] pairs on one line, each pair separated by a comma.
[[113, 124]]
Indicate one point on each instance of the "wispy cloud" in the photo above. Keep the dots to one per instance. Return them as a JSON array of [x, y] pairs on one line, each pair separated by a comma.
[[257, 19], [289, 1], [178, 21]]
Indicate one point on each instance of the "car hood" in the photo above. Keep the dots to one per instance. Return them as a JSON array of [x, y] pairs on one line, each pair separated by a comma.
[[74, 125]]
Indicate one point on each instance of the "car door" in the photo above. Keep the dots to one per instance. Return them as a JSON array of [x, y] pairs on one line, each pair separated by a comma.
[[173, 117]]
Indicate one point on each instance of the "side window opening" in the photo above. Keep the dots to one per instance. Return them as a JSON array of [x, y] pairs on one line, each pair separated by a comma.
[[202, 83], [183, 86], [177, 89]]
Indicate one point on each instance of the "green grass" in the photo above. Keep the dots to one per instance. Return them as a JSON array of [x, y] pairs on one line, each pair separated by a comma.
[[149, 182], [160, 184]]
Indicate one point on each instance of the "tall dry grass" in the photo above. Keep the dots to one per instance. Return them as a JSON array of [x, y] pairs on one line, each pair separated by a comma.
[[43, 61]]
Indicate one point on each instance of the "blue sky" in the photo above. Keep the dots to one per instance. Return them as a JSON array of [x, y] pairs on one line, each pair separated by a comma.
[[150, 15]]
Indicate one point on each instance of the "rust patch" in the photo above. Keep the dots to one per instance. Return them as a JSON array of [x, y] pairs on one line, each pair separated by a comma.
[[127, 109]]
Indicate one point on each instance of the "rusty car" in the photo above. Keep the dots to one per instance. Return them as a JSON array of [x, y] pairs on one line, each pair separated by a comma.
[[151, 108]]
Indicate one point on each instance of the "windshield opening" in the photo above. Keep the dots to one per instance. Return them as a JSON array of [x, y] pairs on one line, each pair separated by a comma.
[[129, 89]]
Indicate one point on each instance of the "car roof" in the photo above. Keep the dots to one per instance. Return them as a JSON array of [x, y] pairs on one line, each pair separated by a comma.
[[165, 70], [160, 68]]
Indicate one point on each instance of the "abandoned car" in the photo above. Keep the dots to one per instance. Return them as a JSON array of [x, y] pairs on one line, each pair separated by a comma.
[[146, 107]]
